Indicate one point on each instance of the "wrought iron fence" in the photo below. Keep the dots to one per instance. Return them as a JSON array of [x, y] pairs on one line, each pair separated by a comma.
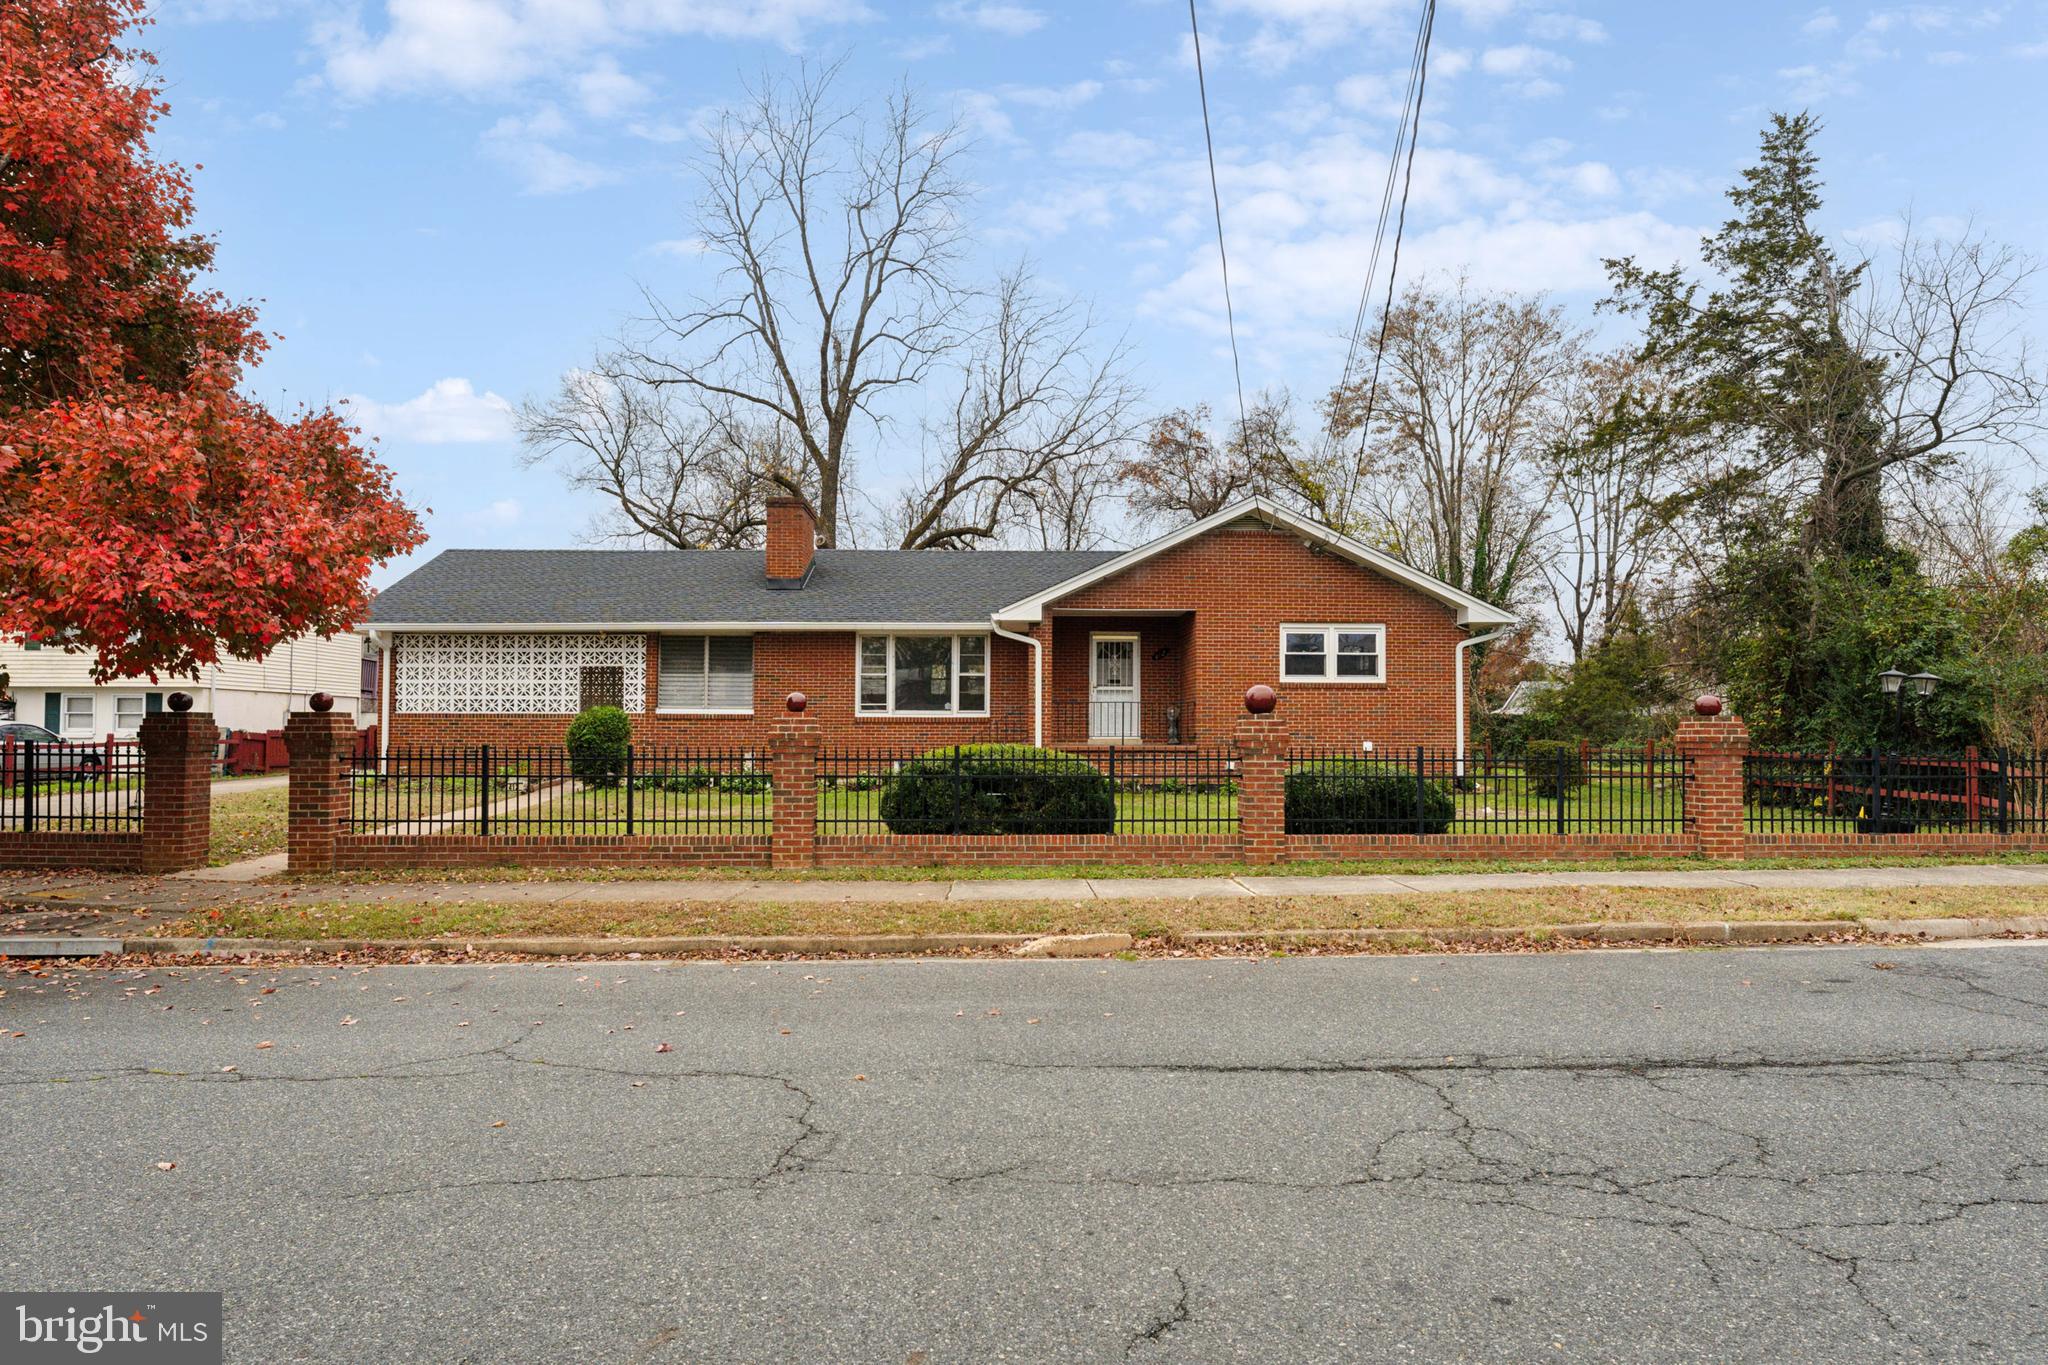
[[1426, 790], [1017, 790], [1988, 792], [489, 789], [70, 787]]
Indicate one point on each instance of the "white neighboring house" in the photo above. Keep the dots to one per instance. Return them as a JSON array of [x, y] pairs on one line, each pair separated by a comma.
[[53, 688]]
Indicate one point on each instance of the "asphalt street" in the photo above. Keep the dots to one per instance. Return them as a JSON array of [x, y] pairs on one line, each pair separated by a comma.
[[1793, 1154]]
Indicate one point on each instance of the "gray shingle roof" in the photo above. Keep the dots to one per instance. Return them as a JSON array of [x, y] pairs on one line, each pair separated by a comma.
[[650, 587]]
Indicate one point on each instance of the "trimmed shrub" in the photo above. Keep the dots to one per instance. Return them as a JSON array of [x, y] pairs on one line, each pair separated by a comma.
[[999, 789], [1358, 796], [597, 743], [1553, 767]]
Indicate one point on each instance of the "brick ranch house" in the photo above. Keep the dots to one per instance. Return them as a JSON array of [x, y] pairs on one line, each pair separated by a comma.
[[916, 648]]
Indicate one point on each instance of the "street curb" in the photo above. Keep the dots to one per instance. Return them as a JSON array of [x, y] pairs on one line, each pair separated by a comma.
[[1085, 945]]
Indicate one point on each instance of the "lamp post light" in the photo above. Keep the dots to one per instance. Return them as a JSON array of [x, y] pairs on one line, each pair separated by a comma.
[[1898, 686]]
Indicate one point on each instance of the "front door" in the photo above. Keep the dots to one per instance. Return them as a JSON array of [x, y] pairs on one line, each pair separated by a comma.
[[1113, 689]]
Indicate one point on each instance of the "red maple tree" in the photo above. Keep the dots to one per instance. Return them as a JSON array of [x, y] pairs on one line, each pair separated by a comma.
[[149, 511]]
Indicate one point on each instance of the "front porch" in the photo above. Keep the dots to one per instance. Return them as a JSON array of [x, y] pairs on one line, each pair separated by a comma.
[[1120, 679]]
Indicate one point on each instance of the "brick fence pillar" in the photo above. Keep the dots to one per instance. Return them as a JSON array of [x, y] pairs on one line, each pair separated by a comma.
[[320, 744], [1716, 744], [1263, 741], [793, 769], [177, 789]]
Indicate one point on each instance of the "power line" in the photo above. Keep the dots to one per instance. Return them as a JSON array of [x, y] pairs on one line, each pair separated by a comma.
[[1379, 234], [1400, 222], [1216, 198]]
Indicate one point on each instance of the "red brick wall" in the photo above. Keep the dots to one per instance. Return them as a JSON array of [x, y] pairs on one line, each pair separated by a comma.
[[378, 852], [1242, 585], [103, 851], [819, 664]]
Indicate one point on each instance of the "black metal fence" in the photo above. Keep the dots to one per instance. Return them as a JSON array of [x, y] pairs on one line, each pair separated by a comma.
[[962, 790], [63, 787], [1427, 790], [1986, 792], [488, 789]]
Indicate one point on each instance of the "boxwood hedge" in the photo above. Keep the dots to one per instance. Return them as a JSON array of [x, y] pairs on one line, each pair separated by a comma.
[[998, 789], [1357, 796]]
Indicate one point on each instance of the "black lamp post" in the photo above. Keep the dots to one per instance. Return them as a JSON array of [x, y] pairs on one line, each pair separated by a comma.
[[1898, 686]]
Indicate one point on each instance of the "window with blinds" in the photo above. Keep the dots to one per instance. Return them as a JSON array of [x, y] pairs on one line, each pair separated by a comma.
[[706, 673]]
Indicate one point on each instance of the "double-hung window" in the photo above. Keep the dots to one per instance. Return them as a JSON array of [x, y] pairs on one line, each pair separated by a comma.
[[78, 713], [1345, 654], [908, 675], [129, 710], [706, 673]]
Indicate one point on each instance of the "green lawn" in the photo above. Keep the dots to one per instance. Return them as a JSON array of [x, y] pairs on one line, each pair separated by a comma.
[[247, 825]]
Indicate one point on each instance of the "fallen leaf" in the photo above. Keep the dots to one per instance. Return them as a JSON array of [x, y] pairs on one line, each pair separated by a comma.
[[227, 1068], [167, 1165], [663, 1047], [499, 1124], [860, 1078], [263, 1045]]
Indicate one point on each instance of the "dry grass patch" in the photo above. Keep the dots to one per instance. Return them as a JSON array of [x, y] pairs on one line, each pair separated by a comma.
[[1142, 918], [247, 825]]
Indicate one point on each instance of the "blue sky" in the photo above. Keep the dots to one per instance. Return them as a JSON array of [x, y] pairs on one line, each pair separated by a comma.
[[442, 204]]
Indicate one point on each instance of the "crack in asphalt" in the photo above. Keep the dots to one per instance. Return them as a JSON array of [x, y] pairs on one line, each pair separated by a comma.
[[1173, 1317]]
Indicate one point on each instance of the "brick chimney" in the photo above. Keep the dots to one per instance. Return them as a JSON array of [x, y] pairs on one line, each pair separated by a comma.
[[792, 540]]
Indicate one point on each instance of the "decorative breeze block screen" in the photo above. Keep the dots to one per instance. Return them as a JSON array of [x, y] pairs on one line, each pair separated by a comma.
[[482, 675]]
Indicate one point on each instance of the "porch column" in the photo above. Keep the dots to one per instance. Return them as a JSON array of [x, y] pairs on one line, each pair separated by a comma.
[[793, 774], [1717, 745], [177, 787], [1263, 741], [320, 744]]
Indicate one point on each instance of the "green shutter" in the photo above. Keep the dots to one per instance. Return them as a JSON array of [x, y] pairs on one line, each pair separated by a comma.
[[53, 713], [152, 702], [31, 644]]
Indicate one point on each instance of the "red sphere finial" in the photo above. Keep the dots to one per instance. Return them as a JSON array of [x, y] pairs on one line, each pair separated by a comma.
[[322, 702], [1707, 704], [796, 702], [1260, 699]]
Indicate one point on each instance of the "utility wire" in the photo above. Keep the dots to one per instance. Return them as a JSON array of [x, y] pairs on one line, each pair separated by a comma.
[[1400, 224], [1216, 198], [1379, 234]]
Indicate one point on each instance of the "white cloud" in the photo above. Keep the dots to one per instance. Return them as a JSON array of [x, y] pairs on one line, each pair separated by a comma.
[[1115, 148], [503, 512], [605, 91], [1301, 225], [1521, 59], [450, 412], [1053, 96], [932, 45], [477, 47], [1810, 84], [683, 247], [526, 146], [1567, 28], [1013, 21], [2030, 51], [1822, 23]]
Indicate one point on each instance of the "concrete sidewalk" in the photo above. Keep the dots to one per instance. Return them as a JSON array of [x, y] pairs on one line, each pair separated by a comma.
[[54, 904]]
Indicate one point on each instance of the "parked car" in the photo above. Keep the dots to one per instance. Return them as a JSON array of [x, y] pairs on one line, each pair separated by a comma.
[[55, 756]]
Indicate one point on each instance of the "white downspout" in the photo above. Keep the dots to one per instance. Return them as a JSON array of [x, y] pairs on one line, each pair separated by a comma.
[[387, 669], [1037, 680], [1458, 664]]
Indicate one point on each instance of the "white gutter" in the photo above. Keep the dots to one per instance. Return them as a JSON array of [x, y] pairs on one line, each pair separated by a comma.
[[1458, 664], [1037, 680]]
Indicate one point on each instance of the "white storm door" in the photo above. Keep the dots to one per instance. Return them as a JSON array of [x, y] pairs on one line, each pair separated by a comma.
[[1113, 689]]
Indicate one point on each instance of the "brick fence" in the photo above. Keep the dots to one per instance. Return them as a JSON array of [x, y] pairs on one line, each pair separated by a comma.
[[1714, 748], [176, 821]]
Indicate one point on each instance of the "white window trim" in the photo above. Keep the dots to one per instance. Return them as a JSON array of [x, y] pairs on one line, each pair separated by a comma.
[[889, 673], [1329, 634], [661, 710], [142, 697], [64, 700]]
